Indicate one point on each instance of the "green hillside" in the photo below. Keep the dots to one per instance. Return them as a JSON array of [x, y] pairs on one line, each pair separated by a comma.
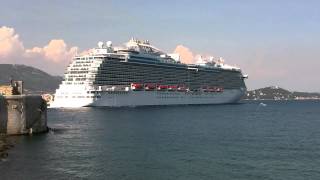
[[35, 80], [277, 93]]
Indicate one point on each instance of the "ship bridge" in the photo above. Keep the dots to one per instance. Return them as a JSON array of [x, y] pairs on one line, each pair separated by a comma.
[[143, 47]]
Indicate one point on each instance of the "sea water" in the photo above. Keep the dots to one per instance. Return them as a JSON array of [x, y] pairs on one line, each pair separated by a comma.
[[277, 140]]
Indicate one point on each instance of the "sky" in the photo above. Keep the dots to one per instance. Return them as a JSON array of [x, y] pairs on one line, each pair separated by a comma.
[[277, 43]]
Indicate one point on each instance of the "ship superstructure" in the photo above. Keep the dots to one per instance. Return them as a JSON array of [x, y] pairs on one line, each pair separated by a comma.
[[140, 74]]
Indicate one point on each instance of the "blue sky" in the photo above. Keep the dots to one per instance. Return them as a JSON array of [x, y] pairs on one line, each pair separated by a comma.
[[275, 42]]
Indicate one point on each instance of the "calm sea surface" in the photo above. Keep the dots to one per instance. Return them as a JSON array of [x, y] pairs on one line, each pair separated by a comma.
[[244, 141]]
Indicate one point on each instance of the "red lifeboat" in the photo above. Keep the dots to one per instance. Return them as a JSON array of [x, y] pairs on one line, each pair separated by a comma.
[[172, 88], [162, 87], [136, 86], [149, 87]]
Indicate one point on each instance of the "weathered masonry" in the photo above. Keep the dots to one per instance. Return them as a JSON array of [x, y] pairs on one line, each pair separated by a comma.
[[22, 114]]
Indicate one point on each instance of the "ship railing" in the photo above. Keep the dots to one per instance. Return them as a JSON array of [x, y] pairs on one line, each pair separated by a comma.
[[121, 88], [191, 68], [126, 88]]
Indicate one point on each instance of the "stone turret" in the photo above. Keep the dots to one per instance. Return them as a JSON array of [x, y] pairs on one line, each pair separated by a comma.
[[21, 114]]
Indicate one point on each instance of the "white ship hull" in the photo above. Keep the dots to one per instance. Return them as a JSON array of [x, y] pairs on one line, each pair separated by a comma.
[[149, 98]]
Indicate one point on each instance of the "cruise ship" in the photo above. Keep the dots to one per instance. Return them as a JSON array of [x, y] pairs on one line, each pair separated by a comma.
[[139, 74]]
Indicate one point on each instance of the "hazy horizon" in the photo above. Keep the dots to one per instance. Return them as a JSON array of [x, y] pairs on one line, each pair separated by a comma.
[[275, 43]]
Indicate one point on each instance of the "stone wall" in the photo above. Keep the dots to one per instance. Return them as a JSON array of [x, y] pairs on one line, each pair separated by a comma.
[[22, 114]]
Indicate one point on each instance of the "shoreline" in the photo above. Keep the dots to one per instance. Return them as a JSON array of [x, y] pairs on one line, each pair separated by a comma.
[[281, 99]]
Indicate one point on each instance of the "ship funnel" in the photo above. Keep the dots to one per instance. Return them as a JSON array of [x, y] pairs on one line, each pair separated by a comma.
[[109, 44], [100, 44]]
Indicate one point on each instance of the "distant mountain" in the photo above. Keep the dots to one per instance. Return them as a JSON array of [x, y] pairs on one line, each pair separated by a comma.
[[277, 93], [34, 80]]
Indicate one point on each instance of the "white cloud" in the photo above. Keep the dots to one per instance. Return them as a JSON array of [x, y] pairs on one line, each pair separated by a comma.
[[185, 53], [9, 43], [52, 58], [189, 57]]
